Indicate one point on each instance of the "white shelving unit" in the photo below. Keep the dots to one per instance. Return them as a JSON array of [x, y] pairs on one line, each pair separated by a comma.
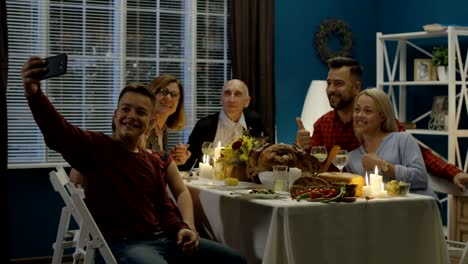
[[392, 76]]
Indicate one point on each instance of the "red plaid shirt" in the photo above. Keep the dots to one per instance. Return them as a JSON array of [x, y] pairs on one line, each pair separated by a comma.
[[329, 130]]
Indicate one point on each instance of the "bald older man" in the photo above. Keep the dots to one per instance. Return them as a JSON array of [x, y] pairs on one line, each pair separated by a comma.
[[228, 124]]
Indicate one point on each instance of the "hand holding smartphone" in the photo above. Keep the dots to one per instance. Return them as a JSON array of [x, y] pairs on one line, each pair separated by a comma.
[[56, 66]]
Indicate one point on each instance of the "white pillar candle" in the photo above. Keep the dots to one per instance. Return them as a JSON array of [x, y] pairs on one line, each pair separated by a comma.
[[376, 185], [206, 170], [367, 192], [217, 151], [367, 189], [381, 193]]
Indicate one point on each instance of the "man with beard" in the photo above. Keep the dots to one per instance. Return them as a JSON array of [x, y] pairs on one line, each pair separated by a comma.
[[336, 126]]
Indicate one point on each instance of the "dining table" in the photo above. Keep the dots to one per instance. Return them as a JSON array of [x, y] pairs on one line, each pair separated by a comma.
[[276, 229]]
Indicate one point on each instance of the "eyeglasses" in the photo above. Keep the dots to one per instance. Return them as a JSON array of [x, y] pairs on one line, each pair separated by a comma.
[[165, 92]]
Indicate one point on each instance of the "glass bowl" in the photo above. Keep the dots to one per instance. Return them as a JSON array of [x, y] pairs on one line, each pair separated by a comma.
[[397, 188], [267, 179]]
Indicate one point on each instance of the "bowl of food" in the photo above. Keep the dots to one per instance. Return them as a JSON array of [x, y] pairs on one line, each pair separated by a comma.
[[397, 188], [267, 179]]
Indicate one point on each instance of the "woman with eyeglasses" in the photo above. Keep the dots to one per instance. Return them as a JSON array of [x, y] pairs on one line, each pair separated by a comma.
[[169, 113]]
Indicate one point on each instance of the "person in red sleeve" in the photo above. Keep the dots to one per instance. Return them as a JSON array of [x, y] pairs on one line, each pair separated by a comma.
[[336, 126], [124, 187]]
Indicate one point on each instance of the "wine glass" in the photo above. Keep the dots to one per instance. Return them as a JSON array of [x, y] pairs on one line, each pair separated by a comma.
[[341, 159], [319, 152], [207, 150]]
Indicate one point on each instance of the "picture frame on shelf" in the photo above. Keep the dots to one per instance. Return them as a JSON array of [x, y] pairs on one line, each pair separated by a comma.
[[422, 69], [439, 113]]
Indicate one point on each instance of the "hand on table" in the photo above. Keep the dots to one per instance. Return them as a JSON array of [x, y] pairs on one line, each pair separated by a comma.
[[188, 240], [303, 137], [460, 180], [180, 153]]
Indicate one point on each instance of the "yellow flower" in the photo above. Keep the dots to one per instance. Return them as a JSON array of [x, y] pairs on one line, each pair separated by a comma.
[[237, 152]]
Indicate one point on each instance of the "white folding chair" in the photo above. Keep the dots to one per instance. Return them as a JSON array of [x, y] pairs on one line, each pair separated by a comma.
[[455, 248], [87, 238]]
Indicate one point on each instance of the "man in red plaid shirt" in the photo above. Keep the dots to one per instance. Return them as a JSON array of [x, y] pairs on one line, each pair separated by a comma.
[[336, 126]]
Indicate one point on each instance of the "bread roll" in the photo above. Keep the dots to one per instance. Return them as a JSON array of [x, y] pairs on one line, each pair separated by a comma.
[[346, 177]]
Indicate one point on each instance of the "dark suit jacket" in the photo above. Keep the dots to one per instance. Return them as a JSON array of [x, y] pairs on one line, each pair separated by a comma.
[[205, 130]]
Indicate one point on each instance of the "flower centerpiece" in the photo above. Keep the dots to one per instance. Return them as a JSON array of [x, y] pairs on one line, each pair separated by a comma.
[[235, 156]]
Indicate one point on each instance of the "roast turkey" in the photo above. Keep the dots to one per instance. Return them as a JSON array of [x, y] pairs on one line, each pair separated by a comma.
[[265, 155]]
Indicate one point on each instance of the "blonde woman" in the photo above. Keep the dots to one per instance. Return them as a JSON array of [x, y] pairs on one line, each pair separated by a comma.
[[396, 154]]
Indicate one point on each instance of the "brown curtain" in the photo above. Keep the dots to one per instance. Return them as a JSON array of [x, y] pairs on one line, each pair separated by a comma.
[[3, 131], [252, 37]]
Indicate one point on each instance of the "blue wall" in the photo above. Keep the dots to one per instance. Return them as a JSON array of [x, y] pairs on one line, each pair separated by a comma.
[[297, 64], [33, 208], [296, 61], [33, 213]]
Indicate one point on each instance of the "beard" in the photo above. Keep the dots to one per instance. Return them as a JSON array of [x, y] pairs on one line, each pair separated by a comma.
[[340, 102]]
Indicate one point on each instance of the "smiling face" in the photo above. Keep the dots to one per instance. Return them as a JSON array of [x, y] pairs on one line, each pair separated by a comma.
[[235, 98], [167, 100], [366, 117], [341, 88], [132, 117]]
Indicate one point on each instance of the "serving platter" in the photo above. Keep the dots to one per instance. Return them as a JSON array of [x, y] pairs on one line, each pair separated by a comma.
[[248, 194]]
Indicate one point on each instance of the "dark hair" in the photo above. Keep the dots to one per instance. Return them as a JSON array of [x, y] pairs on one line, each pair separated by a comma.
[[138, 88], [135, 88], [354, 67], [177, 120]]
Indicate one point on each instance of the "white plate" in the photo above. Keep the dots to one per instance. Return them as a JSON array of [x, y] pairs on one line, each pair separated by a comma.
[[247, 194]]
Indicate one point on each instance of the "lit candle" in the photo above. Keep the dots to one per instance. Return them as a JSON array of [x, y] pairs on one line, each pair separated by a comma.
[[381, 193], [217, 151], [206, 170], [367, 190], [376, 181]]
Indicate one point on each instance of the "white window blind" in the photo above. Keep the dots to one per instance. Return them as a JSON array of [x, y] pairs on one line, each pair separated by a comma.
[[111, 43]]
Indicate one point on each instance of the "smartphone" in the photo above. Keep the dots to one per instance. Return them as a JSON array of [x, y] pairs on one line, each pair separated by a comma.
[[56, 66]]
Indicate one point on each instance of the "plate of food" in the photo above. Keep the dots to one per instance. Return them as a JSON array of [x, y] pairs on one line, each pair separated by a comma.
[[258, 193]]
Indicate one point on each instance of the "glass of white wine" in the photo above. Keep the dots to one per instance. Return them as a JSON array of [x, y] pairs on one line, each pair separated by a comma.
[[341, 159], [207, 150], [319, 152]]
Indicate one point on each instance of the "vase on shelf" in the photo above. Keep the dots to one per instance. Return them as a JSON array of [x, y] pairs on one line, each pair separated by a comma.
[[236, 171], [442, 74]]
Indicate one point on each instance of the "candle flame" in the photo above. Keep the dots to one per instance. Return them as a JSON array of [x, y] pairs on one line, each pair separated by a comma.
[[206, 158], [219, 143], [376, 170], [367, 179]]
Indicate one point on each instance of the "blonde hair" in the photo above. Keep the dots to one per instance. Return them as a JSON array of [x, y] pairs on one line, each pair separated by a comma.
[[384, 107], [178, 119]]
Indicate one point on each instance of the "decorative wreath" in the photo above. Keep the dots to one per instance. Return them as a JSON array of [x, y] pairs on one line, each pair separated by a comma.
[[333, 27]]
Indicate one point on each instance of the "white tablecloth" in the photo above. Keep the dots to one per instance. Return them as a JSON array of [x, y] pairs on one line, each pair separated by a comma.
[[378, 231]]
